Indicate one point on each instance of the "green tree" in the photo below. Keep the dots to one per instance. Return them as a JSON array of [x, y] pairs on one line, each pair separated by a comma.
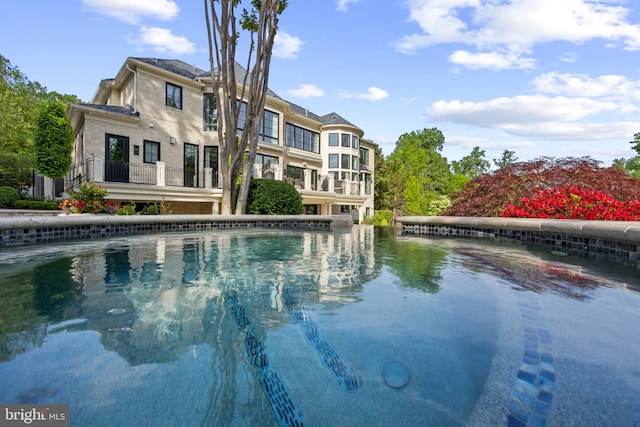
[[636, 142], [629, 166], [54, 141], [507, 158], [414, 174], [239, 152], [379, 190], [21, 102], [473, 164]]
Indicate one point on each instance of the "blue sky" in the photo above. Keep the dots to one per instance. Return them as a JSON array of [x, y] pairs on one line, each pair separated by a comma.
[[539, 77]]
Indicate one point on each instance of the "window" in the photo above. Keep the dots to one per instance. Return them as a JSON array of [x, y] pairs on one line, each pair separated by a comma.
[[190, 165], [346, 140], [346, 159], [364, 156], [241, 117], [295, 172], [333, 140], [211, 158], [354, 163], [151, 151], [269, 127], [303, 139], [174, 96], [367, 183], [211, 161], [210, 113], [354, 142], [266, 161], [333, 161]]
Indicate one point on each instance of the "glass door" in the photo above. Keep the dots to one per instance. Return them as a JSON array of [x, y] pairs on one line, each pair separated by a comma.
[[116, 158]]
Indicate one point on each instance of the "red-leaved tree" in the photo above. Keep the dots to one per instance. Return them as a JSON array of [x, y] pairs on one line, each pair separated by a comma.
[[487, 195]]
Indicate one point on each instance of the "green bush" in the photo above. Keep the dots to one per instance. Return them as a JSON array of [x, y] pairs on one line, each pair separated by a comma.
[[382, 218], [128, 209], [271, 197], [36, 204], [151, 209], [8, 196]]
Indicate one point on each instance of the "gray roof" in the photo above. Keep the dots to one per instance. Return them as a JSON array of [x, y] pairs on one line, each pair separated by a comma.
[[304, 112], [335, 119], [127, 111], [176, 66]]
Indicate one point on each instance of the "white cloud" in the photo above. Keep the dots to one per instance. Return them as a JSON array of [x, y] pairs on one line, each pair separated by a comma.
[[162, 40], [610, 86], [306, 90], [374, 94], [516, 26], [343, 5], [468, 142], [491, 60], [286, 46], [511, 112], [577, 131], [539, 116], [133, 11], [569, 57]]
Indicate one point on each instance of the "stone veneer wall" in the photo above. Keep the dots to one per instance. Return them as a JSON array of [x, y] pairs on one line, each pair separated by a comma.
[[26, 230], [612, 241]]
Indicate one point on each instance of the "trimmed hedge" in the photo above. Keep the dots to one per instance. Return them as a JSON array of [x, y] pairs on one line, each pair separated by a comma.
[[36, 204], [271, 197]]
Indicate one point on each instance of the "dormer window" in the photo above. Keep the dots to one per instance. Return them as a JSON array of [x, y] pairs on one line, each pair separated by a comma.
[[174, 96]]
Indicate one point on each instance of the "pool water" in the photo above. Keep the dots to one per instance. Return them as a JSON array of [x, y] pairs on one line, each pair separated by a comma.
[[361, 328]]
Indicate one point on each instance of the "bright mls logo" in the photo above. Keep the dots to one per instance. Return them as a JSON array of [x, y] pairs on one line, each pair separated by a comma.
[[37, 415]]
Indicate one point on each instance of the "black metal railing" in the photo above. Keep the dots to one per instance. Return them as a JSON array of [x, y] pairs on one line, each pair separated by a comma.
[[146, 174]]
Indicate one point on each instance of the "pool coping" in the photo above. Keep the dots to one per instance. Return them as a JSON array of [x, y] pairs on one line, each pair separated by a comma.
[[21, 230], [615, 241]]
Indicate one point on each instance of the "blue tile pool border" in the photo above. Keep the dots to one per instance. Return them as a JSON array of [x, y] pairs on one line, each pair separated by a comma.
[[610, 241], [23, 230]]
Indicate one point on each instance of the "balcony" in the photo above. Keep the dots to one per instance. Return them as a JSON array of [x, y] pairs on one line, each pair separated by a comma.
[[96, 169], [158, 174]]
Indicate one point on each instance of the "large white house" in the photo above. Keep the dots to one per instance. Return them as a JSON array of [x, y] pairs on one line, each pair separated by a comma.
[[150, 135]]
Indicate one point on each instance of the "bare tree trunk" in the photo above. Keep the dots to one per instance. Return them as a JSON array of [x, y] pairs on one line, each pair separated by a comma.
[[223, 36]]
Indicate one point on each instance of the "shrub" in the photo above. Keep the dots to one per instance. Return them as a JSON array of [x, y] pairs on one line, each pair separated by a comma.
[[271, 197], [574, 203], [88, 198], [438, 205], [151, 209], [128, 209], [382, 218], [36, 204], [8, 196]]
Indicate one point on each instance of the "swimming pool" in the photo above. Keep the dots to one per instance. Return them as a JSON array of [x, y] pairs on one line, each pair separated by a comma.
[[258, 327]]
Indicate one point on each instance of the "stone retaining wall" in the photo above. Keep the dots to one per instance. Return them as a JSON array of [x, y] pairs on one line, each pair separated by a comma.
[[613, 241]]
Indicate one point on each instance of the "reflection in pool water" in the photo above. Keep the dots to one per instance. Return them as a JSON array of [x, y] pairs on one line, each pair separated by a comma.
[[267, 328]]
